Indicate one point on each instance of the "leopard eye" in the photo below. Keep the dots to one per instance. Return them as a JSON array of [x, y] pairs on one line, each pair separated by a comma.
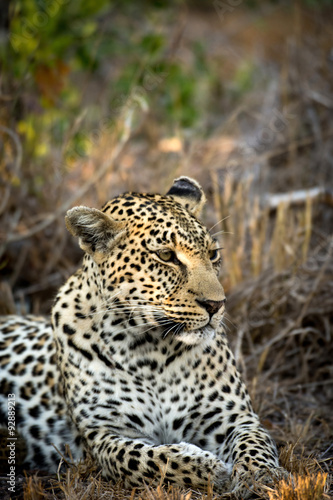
[[166, 255], [213, 254]]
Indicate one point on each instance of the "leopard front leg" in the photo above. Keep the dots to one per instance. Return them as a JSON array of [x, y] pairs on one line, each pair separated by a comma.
[[254, 456], [135, 463]]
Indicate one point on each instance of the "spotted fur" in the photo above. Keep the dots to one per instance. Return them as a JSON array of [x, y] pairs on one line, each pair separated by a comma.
[[144, 379]]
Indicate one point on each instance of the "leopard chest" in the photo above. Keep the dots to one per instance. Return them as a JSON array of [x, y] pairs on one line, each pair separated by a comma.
[[155, 398]]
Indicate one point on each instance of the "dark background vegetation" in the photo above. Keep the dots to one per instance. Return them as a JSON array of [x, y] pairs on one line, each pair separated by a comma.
[[99, 97]]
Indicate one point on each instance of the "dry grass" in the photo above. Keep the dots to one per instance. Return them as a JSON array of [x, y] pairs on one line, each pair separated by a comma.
[[73, 486], [301, 488], [311, 480]]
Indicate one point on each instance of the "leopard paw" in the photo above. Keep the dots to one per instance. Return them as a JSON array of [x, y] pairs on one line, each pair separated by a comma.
[[245, 484]]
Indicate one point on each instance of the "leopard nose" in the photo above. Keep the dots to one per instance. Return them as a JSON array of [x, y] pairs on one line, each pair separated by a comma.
[[211, 306]]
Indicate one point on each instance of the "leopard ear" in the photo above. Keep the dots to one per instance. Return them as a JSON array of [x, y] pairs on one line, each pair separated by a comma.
[[97, 232], [188, 193]]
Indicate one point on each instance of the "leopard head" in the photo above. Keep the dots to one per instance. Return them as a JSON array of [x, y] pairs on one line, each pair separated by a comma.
[[151, 258]]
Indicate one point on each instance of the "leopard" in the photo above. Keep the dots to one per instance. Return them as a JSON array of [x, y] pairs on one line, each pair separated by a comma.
[[134, 369]]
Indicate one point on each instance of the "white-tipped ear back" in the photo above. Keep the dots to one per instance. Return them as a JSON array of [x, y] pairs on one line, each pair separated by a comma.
[[188, 193]]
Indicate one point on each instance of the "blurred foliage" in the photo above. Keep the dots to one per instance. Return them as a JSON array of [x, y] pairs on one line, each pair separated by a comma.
[[318, 3], [56, 50], [45, 32], [52, 50]]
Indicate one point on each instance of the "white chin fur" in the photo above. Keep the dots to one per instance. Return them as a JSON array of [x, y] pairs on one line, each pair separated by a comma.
[[198, 336]]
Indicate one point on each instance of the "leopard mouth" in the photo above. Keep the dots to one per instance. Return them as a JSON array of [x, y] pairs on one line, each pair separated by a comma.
[[189, 337], [195, 337], [169, 326]]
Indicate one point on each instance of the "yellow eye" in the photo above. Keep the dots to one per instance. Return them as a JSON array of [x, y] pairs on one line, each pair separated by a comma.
[[213, 254], [166, 255]]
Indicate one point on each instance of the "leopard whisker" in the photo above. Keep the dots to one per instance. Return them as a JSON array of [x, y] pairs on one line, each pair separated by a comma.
[[221, 232], [176, 325], [123, 308], [227, 318], [180, 327], [219, 222], [154, 325]]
